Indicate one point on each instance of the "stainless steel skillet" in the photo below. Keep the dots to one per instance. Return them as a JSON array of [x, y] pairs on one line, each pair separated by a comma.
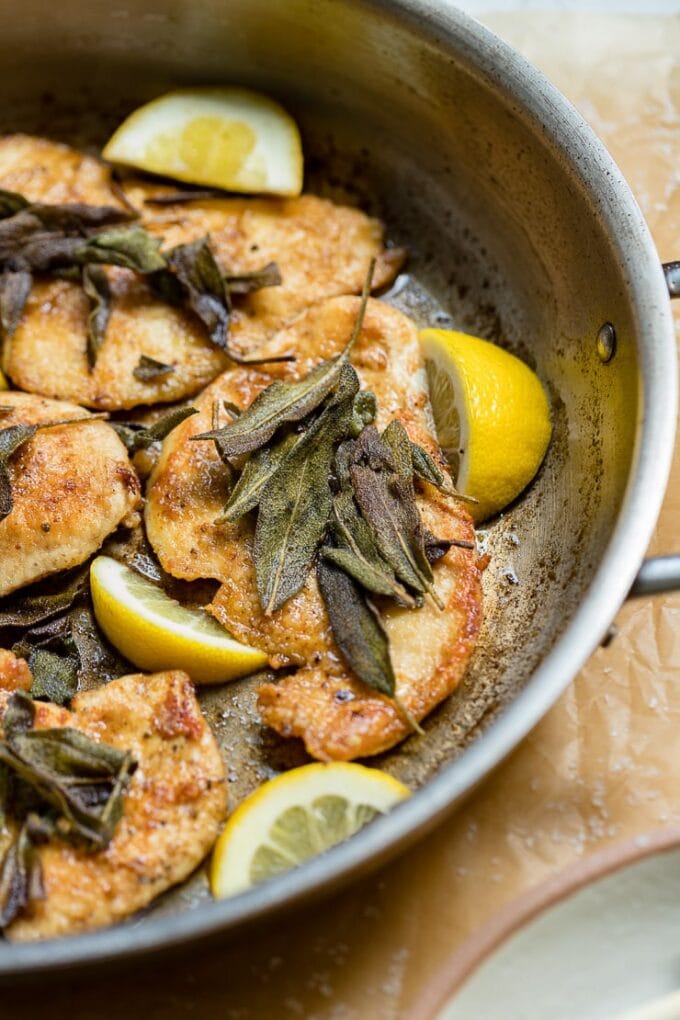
[[521, 229]]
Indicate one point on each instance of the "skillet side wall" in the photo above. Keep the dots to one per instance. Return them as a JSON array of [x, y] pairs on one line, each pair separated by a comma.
[[504, 240]]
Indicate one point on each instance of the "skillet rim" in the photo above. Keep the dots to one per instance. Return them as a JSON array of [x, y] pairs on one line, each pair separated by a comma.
[[480, 51]]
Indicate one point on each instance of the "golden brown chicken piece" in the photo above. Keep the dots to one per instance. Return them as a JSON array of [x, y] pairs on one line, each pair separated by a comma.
[[14, 672], [172, 812], [321, 249], [71, 487], [337, 716], [46, 171]]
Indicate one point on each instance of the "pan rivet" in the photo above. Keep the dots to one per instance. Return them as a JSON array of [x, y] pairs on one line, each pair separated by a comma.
[[606, 343]]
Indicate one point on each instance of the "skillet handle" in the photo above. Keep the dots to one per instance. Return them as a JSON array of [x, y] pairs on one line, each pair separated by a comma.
[[658, 574], [661, 573], [671, 270]]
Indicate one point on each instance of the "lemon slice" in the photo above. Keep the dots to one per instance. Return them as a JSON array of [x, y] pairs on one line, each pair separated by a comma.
[[492, 417], [221, 137], [154, 632], [297, 816]]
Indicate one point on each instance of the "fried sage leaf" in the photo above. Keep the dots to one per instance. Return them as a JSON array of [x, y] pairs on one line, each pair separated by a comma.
[[392, 518], [359, 633], [183, 197], [203, 288], [77, 217], [435, 547], [140, 437], [396, 438], [129, 247], [425, 467], [55, 665], [10, 203], [45, 600], [357, 628], [286, 402], [15, 286], [295, 504], [357, 553], [277, 405], [148, 369], [21, 879], [246, 283], [82, 779], [96, 286], [258, 471], [194, 281]]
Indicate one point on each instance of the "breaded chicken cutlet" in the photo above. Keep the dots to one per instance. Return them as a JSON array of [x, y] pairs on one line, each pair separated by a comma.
[[336, 715], [320, 248]]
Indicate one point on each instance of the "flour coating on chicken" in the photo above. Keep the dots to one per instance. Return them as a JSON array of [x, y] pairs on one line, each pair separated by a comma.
[[321, 249], [172, 812], [336, 715], [71, 487]]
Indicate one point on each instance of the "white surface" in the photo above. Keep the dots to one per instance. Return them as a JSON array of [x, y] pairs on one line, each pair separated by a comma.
[[667, 1008], [609, 948], [608, 6]]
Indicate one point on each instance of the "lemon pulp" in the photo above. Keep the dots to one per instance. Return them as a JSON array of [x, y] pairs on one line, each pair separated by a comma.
[[296, 816], [491, 414], [155, 632], [228, 138]]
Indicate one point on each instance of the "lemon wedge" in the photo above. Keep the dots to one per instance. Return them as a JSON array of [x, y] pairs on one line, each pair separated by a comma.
[[227, 138], [491, 414], [154, 632], [295, 817]]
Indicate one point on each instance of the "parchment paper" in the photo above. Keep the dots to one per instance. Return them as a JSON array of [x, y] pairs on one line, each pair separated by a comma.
[[603, 765]]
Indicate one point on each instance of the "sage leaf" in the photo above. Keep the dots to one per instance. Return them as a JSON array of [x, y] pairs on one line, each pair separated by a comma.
[[194, 281], [426, 468], [435, 547], [11, 202], [234, 411], [77, 217], [19, 714], [45, 600], [82, 779], [279, 404], [182, 197], [357, 628], [205, 292], [25, 244], [391, 523], [98, 661], [396, 438], [20, 876], [359, 633], [140, 437], [129, 247], [148, 369], [365, 410], [15, 286], [295, 504], [285, 402], [55, 669], [259, 469], [246, 283], [96, 286], [357, 552]]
